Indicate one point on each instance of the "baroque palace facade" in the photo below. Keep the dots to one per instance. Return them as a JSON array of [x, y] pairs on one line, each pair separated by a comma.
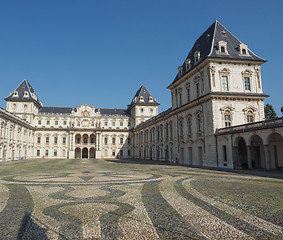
[[216, 119]]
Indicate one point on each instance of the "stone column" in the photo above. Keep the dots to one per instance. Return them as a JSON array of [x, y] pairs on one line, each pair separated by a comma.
[[267, 159], [98, 147], [249, 151]]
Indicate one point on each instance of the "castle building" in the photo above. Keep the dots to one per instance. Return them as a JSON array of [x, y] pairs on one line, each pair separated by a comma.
[[216, 119], [59, 132]]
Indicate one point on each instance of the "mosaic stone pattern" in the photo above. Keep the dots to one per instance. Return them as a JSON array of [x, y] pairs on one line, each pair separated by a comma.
[[134, 199]]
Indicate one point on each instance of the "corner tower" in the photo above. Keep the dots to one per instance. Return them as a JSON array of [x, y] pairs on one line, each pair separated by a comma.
[[143, 106], [23, 101]]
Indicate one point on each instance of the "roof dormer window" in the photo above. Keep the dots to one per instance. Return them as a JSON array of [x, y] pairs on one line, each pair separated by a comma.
[[222, 47], [188, 64], [141, 98], [197, 56], [180, 71], [25, 94], [15, 94], [150, 99], [243, 49]]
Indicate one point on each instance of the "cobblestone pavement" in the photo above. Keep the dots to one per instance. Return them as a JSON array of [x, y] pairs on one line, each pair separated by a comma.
[[135, 199]]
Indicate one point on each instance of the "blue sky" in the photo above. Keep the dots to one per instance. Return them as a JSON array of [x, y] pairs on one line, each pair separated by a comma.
[[101, 52]]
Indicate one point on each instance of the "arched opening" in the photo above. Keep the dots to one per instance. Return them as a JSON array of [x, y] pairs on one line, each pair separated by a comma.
[[85, 153], [257, 152], [92, 139], [78, 139], [78, 153], [167, 154], [275, 147], [92, 153], [242, 154], [85, 139]]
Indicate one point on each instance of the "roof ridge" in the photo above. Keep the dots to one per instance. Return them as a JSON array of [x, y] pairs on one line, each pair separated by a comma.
[[212, 43], [28, 86]]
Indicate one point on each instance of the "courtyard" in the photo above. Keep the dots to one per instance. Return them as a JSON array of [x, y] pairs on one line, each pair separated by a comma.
[[135, 199]]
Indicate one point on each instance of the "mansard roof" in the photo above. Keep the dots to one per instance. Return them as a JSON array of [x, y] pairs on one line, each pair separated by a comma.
[[24, 92], [143, 97], [68, 110], [115, 111], [207, 47], [54, 110]]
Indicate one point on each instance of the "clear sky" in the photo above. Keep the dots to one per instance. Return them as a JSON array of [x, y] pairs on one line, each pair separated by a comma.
[[101, 52]]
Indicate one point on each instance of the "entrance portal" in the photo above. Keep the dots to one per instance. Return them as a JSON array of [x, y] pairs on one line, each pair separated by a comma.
[[85, 153]]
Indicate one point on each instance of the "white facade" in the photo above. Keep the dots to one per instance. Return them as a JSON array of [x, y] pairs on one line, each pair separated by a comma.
[[216, 119], [79, 132]]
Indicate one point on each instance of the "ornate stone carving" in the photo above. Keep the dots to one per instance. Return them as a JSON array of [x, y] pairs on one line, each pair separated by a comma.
[[212, 70]]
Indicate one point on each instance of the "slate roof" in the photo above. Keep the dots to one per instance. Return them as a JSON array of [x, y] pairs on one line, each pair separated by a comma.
[[143, 92], [59, 110], [115, 111], [21, 89], [68, 110], [207, 45]]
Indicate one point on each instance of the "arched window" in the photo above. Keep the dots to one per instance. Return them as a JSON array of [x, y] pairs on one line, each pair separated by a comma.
[[250, 117], [227, 118]]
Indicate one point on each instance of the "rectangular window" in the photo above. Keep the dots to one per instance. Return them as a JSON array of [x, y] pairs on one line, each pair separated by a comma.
[[121, 124], [56, 122], [222, 49], [65, 122], [188, 95], [247, 83], [64, 140], [129, 140], [113, 124], [39, 122], [225, 83], [113, 140], [121, 153], [106, 141], [47, 139], [46, 153], [55, 140], [113, 153], [199, 124], [129, 124], [227, 119], [121, 140], [224, 149], [105, 123], [129, 152], [38, 139], [55, 153], [198, 89], [38, 153], [48, 122], [78, 140], [189, 126], [180, 99]]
